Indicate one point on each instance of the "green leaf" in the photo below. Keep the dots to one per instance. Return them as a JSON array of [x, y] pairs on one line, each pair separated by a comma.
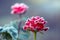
[[12, 31]]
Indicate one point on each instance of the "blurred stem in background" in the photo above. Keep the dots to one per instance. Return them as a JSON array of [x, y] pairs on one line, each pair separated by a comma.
[[21, 16], [20, 23]]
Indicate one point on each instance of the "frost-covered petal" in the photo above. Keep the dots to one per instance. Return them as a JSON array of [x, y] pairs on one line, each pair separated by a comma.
[[35, 24]]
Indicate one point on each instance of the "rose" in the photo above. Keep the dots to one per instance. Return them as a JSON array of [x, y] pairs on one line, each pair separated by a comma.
[[35, 24], [19, 8]]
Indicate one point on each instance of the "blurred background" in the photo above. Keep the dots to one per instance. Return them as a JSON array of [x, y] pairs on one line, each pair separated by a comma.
[[49, 9]]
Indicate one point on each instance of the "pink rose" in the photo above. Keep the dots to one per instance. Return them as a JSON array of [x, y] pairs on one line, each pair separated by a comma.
[[35, 24], [19, 8]]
